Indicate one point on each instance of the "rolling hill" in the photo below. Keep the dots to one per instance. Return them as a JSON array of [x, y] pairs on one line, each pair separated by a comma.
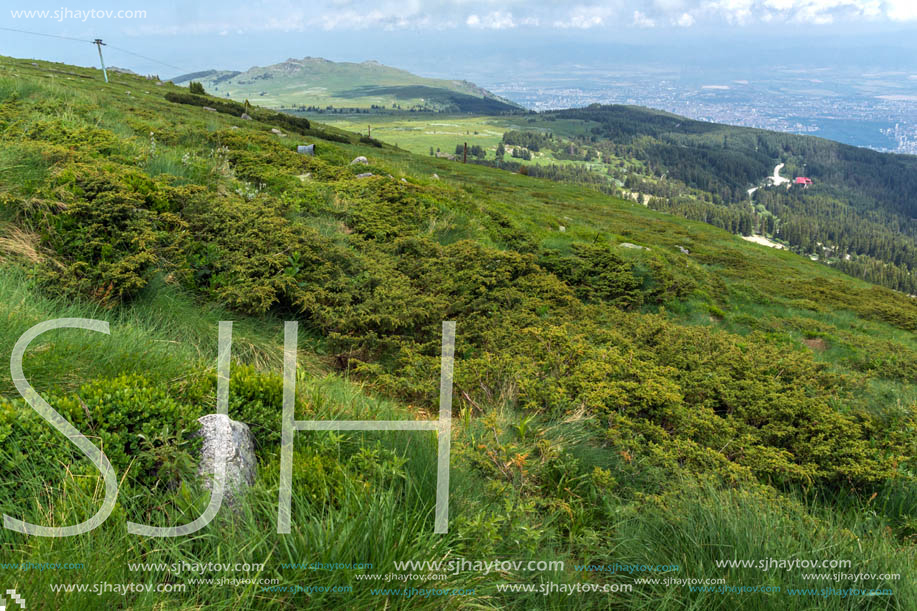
[[316, 83], [857, 213], [632, 389]]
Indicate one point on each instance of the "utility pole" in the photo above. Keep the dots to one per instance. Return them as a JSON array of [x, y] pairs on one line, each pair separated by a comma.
[[98, 42]]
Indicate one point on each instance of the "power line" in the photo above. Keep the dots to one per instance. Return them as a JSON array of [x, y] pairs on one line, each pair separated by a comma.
[[143, 57], [48, 35], [93, 42]]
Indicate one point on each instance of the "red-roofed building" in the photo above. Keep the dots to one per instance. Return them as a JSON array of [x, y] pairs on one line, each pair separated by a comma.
[[802, 180]]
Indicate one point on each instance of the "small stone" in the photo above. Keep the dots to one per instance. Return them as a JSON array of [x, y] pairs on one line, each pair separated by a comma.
[[435, 176], [246, 116], [277, 132], [361, 160], [629, 245], [364, 175], [226, 439], [684, 250], [561, 228], [209, 109]]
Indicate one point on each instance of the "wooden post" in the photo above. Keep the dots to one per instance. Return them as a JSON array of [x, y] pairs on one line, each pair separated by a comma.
[[465, 154]]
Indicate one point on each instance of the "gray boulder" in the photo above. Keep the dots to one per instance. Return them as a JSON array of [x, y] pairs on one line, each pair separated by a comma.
[[361, 160], [246, 116], [306, 149], [232, 441], [364, 175]]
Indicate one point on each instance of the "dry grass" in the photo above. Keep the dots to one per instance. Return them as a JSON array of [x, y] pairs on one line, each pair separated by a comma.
[[19, 244], [816, 344]]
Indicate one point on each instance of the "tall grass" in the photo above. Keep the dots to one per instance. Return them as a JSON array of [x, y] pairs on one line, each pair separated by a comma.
[[162, 335]]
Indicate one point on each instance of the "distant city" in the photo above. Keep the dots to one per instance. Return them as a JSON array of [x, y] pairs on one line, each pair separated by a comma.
[[877, 110]]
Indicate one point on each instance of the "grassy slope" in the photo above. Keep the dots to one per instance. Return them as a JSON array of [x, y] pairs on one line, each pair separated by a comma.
[[560, 504], [320, 82]]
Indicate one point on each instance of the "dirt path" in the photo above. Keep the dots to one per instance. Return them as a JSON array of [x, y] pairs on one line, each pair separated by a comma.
[[777, 179]]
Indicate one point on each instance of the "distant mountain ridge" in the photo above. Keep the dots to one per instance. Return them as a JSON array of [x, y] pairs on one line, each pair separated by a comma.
[[317, 83]]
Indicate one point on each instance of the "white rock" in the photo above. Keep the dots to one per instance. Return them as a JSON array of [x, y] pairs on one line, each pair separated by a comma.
[[361, 160], [629, 245], [229, 440], [246, 116], [364, 175]]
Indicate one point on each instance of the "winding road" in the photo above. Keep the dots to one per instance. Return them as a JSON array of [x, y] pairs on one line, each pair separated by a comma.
[[777, 179]]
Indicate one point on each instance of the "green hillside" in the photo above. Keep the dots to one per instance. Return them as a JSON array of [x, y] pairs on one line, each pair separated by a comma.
[[638, 396], [858, 215], [316, 84]]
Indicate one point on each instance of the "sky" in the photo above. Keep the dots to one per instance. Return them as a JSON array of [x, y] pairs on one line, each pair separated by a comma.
[[440, 37]]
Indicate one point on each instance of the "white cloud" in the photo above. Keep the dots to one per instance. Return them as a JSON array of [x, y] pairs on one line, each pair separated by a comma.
[[686, 20], [901, 10], [585, 17], [806, 11], [734, 11], [497, 20], [209, 16], [642, 21]]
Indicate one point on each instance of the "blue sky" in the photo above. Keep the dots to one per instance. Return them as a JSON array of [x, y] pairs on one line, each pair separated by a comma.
[[437, 36]]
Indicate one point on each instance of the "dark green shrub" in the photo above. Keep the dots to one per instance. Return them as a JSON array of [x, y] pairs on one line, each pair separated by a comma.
[[136, 424]]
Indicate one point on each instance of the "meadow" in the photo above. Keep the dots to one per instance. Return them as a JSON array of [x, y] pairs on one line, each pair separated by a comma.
[[687, 400]]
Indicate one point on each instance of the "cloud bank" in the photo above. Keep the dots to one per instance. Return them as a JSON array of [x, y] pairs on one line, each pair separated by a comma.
[[496, 15]]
